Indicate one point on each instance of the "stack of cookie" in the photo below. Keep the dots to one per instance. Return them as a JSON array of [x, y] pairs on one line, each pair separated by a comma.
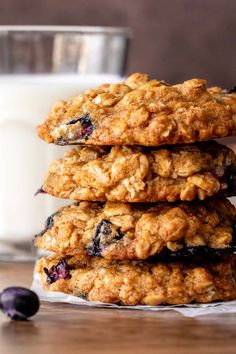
[[151, 224]]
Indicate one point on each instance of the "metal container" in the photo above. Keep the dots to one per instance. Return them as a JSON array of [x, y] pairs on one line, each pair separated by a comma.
[[58, 49]]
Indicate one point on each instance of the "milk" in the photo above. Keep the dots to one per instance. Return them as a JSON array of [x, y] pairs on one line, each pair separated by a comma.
[[24, 158]]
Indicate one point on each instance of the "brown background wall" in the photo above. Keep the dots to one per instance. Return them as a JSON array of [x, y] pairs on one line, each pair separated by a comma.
[[173, 39]]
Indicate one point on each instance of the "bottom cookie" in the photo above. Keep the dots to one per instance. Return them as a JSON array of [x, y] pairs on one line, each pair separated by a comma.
[[139, 283]]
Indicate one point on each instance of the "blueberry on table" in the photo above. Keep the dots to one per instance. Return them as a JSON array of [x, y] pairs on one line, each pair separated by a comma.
[[19, 303]]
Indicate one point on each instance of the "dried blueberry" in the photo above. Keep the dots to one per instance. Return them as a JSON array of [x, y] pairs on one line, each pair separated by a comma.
[[48, 224], [73, 121], [105, 234], [86, 126], [19, 303], [60, 270], [103, 230], [233, 90], [39, 191], [196, 254]]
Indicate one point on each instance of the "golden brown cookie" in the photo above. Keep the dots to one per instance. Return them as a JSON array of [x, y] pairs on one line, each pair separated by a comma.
[[139, 174], [137, 283], [142, 112], [122, 231]]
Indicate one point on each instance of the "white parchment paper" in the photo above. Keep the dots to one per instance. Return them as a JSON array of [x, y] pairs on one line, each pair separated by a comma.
[[186, 310]]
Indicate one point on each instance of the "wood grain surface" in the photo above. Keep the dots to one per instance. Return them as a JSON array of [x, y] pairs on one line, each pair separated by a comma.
[[68, 329]]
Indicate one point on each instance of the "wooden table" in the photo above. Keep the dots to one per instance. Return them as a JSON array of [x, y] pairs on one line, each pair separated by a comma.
[[68, 329]]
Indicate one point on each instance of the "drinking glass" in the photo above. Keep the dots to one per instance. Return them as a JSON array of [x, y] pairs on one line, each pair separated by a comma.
[[39, 66]]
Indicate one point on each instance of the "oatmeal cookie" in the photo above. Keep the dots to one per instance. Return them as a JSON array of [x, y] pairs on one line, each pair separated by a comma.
[[142, 112], [122, 231], [138, 283], [143, 174]]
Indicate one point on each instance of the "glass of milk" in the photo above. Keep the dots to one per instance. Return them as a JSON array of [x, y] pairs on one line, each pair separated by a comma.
[[38, 67]]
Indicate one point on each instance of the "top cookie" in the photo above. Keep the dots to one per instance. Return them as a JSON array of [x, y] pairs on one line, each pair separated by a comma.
[[145, 112]]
